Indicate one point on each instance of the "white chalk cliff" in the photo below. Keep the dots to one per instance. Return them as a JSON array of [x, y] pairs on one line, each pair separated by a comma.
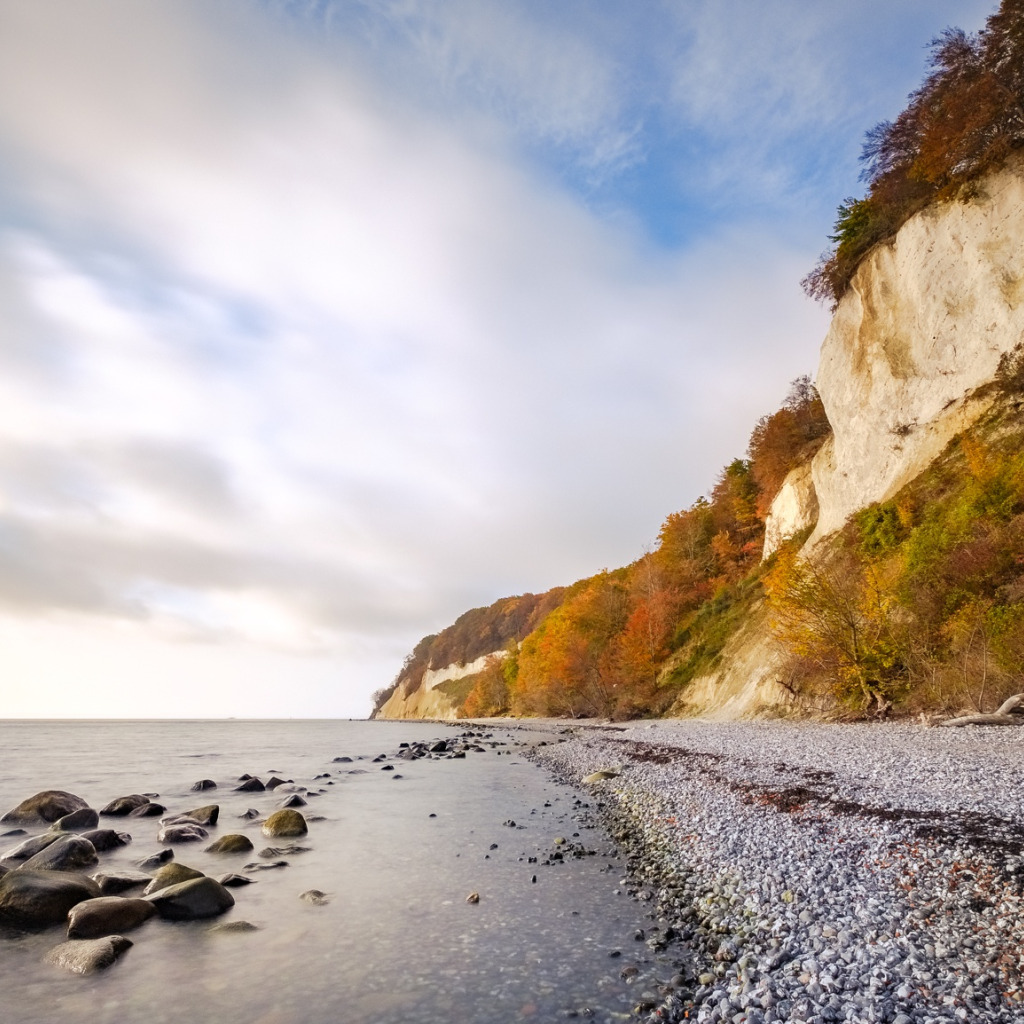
[[421, 698], [924, 323]]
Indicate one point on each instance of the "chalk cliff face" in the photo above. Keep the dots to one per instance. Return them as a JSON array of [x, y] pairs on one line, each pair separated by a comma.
[[421, 698], [923, 325]]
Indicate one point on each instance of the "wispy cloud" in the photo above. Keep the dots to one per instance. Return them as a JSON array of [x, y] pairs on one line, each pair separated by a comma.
[[308, 344]]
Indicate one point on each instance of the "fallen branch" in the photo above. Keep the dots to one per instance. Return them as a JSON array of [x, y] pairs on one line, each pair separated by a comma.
[[1010, 712]]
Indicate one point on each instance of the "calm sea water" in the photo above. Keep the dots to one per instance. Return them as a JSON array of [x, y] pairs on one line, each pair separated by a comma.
[[397, 942]]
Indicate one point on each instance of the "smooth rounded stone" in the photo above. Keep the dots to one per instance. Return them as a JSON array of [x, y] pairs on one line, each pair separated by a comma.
[[182, 834], [250, 814], [154, 860], [171, 874], [114, 882], [37, 899], [69, 853], [315, 897], [230, 927], [293, 801], [342, 760], [31, 846], [234, 881], [47, 805], [203, 784], [232, 843], [189, 901], [107, 839], [77, 821], [206, 815], [284, 823], [107, 915], [124, 805], [147, 810], [84, 956], [251, 785]]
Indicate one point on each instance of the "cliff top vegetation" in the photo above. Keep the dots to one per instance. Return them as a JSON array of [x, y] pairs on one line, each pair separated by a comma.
[[965, 118]]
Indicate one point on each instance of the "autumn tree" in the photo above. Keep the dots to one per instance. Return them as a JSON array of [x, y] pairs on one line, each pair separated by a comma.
[[841, 617], [965, 118], [786, 438]]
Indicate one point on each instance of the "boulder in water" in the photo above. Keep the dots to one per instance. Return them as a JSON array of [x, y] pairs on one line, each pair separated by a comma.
[[84, 956], [171, 874], [48, 806], [37, 899], [183, 833], [106, 839], [189, 901], [115, 882], [123, 805], [31, 846], [107, 915], [285, 822], [69, 853], [81, 820], [232, 843]]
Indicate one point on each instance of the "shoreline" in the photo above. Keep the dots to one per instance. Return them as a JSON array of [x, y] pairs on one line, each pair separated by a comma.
[[821, 872]]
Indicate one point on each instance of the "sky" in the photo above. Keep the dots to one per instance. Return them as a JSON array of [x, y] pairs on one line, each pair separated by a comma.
[[323, 321]]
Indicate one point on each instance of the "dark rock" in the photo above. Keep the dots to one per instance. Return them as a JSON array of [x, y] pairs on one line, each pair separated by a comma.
[[84, 956], [182, 834], [234, 881], [293, 801], [77, 821], [284, 823], [154, 860], [250, 785], [69, 853], [343, 760], [191, 900], [206, 815], [124, 805], [256, 866], [198, 787], [107, 915], [438, 746], [48, 806], [233, 843], [270, 852], [250, 814], [315, 897], [273, 782], [147, 810], [31, 846], [115, 882], [171, 874], [37, 899], [106, 839]]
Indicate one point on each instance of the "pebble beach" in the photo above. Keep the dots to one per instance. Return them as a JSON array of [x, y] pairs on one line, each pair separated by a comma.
[[818, 873]]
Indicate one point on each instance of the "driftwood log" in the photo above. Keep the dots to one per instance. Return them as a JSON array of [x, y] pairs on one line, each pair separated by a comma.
[[1010, 712]]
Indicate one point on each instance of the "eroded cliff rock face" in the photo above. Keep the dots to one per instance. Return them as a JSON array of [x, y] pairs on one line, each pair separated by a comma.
[[423, 699], [924, 324], [795, 508]]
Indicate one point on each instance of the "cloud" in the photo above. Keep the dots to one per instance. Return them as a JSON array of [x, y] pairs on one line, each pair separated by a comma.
[[308, 350]]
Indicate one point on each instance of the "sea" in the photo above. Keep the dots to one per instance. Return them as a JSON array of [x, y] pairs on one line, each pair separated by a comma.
[[396, 854]]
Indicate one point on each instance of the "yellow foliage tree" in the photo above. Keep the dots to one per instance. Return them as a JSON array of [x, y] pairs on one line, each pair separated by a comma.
[[841, 617]]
